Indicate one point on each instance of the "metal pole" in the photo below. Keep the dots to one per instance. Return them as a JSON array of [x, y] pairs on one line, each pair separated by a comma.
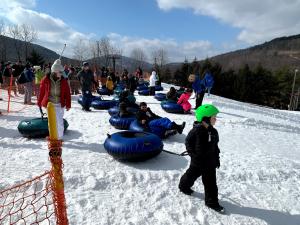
[[293, 87]]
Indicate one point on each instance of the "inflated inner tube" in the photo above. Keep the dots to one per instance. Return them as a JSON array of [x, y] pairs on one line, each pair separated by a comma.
[[103, 104], [160, 96], [133, 146], [121, 123], [136, 126], [172, 107], [115, 110], [79, 100], [144, 92], [142, 87], [159, 88], [36, 128], [103, 91]]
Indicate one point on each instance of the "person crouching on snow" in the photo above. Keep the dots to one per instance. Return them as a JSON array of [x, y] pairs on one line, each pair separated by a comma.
[[155, 123], [55, 88], [184, 100], [202, 146]]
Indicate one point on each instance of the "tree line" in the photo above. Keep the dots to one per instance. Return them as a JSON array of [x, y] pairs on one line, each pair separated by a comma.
[[253, 85]]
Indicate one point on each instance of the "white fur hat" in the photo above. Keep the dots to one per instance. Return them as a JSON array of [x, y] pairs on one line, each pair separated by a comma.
[[57, 67]]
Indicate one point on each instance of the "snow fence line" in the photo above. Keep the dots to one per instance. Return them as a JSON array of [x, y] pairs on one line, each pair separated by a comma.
[[41, 198]]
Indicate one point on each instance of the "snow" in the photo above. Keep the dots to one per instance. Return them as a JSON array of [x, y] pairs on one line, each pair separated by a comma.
[[259, 177]]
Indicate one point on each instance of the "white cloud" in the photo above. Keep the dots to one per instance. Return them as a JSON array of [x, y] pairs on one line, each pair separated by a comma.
[[258, 20], [177, 52], [52, 32]]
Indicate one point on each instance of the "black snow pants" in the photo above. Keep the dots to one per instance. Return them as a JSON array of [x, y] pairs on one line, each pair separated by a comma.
[[199, 99], [208, 179]]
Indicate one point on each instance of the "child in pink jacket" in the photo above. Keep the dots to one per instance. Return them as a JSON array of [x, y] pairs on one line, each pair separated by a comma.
[[184, 100]]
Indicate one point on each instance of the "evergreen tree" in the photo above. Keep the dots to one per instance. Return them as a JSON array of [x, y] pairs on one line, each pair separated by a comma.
[[35, 58]]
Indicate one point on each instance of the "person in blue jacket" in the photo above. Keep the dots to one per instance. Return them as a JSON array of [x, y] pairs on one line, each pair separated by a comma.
[[208, 81], [198, 88]]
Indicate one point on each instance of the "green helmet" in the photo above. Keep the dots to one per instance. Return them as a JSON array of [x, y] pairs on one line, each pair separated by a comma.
[[206, 110]]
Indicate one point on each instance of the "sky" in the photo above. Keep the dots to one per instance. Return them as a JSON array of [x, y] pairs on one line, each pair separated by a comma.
[[184, 28]]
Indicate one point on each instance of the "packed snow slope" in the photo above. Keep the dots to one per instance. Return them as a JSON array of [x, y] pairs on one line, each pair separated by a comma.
[[259, 177]]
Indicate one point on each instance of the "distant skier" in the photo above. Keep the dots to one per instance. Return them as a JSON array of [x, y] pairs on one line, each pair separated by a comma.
[[202, 146]]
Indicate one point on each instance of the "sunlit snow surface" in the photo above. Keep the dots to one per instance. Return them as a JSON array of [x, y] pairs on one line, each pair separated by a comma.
[[259, 177]]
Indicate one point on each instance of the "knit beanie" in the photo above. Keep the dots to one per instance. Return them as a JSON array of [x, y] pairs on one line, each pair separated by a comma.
[[57, 67]]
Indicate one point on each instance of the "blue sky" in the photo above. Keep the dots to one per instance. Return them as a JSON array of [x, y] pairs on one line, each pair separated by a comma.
[[184, 28]]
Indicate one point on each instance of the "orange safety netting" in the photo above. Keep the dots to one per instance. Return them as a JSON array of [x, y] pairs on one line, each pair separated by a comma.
[[28, 203]]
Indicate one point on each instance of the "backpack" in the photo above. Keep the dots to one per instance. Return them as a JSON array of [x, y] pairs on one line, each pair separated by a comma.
[[22, 78]]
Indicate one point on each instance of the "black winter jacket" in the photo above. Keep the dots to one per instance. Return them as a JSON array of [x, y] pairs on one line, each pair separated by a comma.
[[202, 145], [148, 116]]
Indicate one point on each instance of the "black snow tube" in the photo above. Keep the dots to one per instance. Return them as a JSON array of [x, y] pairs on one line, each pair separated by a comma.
[[142, 87], [36, 128], [103, 104], [172, 107], [133, 146], [159, 88], [160, 96], [121, 123]]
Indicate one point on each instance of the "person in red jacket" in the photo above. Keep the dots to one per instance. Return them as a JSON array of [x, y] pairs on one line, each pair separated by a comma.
[[184, 100], [54, 88]]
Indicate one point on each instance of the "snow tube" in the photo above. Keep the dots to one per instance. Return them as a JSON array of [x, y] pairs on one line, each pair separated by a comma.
[[115, 110], [121, 123], [144, 92], [159, 88], [142, 87], [79, 100], [136, 126], [160, 96], [172, 107], [103, 104], [133, 146], [36, 128], [103, 91]]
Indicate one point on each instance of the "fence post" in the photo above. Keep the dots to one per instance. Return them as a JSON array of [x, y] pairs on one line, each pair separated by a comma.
[[55, 152], [9, 92]]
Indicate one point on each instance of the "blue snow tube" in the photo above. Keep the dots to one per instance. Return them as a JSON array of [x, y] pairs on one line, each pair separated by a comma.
[[172, 107], [79, 100], [159, 88], [115, 110], [103, 104], [160, 96], [121, 123], [142, 87], [36, 128], [103, 91], [144, 92], [133, 146]]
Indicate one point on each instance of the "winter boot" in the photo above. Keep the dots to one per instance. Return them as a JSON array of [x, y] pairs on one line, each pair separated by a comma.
[[217, 207], [180, 128]]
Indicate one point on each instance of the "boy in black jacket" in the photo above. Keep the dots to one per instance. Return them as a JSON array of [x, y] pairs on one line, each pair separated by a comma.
[[202, 146]]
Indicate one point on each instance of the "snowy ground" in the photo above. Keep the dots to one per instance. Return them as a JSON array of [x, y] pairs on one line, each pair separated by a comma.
[[259, 177]]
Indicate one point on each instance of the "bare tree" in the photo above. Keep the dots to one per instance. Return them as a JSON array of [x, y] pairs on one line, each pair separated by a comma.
[[106, 50], [2, 41], [15, 33], [93, 46], [160, 57], [139, 55], [80, 50], [27, 34]]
